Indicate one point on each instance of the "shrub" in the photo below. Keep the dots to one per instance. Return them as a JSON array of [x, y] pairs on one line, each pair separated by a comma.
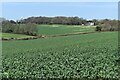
[[109, 25], [28, 29], [98, 28]]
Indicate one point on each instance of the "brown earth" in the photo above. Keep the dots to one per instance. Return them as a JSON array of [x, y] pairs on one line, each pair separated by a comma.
[[38, 37]]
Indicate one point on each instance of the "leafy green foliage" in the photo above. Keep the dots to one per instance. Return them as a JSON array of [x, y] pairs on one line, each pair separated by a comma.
[[79, 56]]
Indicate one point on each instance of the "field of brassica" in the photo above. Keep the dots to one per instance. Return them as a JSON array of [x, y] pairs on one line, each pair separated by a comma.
[[79, 56]]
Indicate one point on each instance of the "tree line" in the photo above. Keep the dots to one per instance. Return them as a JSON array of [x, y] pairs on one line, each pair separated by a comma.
[[29, 26], [56, 20], [27, 29]]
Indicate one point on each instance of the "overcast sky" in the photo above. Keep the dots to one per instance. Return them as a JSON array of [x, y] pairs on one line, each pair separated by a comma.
[[87, 10]]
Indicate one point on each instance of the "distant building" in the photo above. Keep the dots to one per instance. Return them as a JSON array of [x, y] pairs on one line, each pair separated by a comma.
[[82, 24], [90, 23]]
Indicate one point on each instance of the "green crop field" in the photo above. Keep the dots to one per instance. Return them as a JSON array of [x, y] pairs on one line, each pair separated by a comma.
[[63, 29], [79, 56], [11, 35]]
